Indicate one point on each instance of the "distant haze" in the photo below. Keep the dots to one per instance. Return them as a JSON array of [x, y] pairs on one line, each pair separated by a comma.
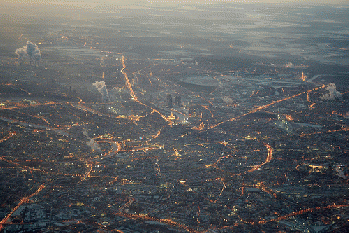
[[92, 3]]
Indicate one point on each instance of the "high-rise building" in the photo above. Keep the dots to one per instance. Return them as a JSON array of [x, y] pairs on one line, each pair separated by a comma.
[[169, 101], [178, 100]]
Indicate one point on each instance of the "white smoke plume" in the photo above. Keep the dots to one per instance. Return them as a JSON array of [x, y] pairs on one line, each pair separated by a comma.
[[31, 51], [227, 100], [91, 143], [101, 87], [333, 93]]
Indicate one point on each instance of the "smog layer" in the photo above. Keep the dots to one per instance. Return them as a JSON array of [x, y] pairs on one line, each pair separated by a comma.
[[221, 117]]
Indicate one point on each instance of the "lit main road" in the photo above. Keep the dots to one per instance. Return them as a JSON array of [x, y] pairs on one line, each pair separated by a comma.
[[21, 202], [268, 159], [10, 135], [266, 106], [133, 95], [254, 168], [311, 210]]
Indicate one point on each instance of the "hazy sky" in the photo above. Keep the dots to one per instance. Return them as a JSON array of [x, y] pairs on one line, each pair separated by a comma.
[[127, 2], [51, 6]]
